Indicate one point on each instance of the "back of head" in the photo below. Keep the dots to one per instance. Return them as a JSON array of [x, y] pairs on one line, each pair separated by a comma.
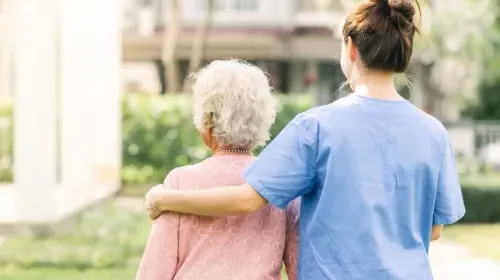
[[233, 98], [383, 32]]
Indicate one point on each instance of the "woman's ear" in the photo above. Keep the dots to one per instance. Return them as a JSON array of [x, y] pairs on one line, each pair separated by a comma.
[[207, 134], [351, 49], [208, 121], [211, 140], [208, 139]]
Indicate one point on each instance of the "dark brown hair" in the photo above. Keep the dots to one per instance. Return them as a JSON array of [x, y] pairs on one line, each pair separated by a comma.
[[383, 31]]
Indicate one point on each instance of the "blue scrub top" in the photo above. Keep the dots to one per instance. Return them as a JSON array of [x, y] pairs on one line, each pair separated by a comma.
[[374, 176]]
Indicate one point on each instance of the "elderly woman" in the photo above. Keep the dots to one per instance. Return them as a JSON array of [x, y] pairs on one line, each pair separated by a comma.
[[233, 111]]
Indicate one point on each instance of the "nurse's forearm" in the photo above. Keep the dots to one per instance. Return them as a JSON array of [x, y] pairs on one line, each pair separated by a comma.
[[437, 230], [221, 201]]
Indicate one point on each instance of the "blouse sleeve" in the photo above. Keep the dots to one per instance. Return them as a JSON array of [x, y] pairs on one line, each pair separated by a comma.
[[161, 255], [286, 169], [292, 240], [449, 206]]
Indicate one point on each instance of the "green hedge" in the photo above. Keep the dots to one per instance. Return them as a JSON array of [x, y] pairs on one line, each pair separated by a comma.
[[482, 198], [6, 147], [482, 203], [159, 135]]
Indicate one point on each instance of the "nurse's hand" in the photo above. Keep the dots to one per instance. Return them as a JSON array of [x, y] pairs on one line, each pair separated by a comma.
[[153, 201]]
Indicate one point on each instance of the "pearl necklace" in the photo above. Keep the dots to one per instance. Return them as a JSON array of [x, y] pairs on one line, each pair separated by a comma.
[[234, 151]]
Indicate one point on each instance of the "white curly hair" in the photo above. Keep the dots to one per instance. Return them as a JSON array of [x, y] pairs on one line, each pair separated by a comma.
[[234, 98]]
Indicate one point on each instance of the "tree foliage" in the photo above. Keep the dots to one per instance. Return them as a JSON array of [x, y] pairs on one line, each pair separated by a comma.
[[454, 45], [487, 103]]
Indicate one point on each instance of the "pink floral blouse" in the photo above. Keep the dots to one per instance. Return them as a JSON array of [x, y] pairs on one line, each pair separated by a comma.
[[251, 247]]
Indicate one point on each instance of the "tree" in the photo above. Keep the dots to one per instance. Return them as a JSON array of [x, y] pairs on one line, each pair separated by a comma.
[[454, 43], [487, 103], [170, 38], [487, 106], [199, 42]]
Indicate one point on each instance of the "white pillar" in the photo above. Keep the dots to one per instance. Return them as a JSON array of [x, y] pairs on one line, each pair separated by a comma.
[[106, 90], [5, 50], [90, 102], [35, 56], [76, 97]]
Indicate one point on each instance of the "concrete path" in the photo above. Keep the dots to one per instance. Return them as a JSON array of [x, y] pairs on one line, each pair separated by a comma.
[[451, 261]]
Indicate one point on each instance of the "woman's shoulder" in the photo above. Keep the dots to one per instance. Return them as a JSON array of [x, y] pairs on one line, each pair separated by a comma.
[[177, 174], [214, 171], [324, 112]]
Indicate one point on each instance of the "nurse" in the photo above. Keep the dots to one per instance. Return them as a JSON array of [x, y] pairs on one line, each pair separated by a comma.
[[376, 175]]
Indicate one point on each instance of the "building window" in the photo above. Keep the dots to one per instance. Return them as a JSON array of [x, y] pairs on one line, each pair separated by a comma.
[[159, 13], [219, 5], [245, 5], [233, 5], [146, 3]]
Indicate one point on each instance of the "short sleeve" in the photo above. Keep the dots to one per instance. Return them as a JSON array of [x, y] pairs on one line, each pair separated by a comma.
[[286, 169], [449, 207]]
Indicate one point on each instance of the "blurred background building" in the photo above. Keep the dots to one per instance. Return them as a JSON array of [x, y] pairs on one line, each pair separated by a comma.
[[295, 41], [289, 39]]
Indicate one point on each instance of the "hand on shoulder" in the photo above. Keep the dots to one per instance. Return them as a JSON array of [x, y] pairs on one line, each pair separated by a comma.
[[152, 201]]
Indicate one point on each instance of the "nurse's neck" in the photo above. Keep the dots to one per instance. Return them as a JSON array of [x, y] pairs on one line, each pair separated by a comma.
[[376, 85]]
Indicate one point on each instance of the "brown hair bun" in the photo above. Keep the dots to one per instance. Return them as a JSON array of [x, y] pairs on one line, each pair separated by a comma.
[[402, 13], [383, 31]]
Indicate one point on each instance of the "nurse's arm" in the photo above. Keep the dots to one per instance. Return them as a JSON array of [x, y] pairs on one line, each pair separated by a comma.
[[437, 230], [214, 202]]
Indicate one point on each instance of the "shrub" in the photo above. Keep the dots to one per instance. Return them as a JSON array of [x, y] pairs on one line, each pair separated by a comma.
[[482, 204], [5, 107], [6, 142], [158, 134], [482, 199]]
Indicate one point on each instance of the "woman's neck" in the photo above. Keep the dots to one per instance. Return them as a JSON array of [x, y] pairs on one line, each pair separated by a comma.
[[377, 85]]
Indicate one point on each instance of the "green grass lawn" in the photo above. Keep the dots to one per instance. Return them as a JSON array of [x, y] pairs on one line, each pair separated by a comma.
[[68, 274], [102, 244], [105, 243], [482, 240], [136, 191]]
